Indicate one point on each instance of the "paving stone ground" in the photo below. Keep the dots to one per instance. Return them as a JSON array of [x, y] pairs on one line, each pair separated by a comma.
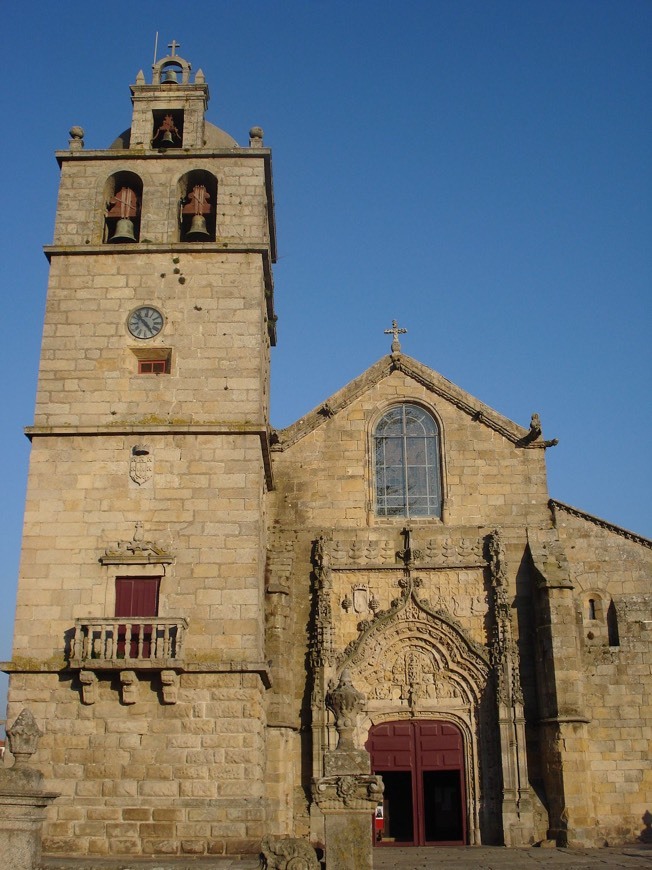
[[496, 858], [460, 858]]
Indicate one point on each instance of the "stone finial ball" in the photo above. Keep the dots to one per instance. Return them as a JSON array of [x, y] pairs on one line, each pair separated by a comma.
[[76, 132], [256, 132]]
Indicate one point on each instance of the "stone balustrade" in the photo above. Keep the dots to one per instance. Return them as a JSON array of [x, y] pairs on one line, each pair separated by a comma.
[[150, 642]]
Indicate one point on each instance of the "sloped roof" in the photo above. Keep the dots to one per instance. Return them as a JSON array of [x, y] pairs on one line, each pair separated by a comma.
[[598, 521], [424, 376]]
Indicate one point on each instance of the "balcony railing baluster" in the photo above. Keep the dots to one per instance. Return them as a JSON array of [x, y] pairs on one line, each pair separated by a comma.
[[108, 643]]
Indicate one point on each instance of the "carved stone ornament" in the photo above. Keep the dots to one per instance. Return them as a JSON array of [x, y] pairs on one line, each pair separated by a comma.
[[129, 684], [345, 702], [136, 551], [410, 619], [88, 679], [360, 598], [442, 551], [497, 559], [170, 686], [288, 853], [140, 464], [23, 737], [353, 792]]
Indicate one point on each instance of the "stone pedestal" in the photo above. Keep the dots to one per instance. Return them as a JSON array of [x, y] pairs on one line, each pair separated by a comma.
[[348, 796], [22, 799], [22, 811]]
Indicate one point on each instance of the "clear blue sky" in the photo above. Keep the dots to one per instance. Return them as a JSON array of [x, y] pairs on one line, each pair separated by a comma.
[[478, 170]]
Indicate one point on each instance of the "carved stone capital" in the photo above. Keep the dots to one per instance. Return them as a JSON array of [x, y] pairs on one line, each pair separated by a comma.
[[351, 792]]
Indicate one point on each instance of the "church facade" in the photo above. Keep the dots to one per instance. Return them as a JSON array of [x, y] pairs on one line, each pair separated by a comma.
[[194, 583]]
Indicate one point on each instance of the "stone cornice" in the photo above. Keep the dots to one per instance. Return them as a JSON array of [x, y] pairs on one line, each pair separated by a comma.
[[154, 154], [424, 376], [188, 667], [603, 524]]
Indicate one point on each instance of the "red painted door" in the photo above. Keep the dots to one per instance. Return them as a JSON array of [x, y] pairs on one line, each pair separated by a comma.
[[422, 765], [136, 596]]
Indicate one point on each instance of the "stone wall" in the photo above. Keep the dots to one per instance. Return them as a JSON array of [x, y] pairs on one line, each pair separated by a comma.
[[215, 333], [241, 208], [153, 777], [202, 505], [612, 568]]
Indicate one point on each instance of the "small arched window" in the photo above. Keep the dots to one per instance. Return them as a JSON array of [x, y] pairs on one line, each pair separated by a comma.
[[406, 457]]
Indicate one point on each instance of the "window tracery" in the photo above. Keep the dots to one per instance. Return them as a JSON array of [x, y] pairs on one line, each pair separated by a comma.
[[406, 463]]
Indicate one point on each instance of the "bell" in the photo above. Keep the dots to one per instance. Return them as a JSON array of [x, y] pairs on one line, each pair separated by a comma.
[[169, 78], [124, 231], [166, 140], [198, 231]]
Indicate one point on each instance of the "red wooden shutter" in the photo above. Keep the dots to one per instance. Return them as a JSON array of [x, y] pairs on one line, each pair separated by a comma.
[[136, 596]]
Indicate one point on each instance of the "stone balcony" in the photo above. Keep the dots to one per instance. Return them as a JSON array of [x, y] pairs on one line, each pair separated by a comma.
[[123, 642]]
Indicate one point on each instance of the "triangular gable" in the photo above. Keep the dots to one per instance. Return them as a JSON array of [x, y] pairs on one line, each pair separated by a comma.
[[424, 376]]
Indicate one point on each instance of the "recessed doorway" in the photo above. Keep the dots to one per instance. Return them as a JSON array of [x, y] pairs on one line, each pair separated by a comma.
[[422, 765]]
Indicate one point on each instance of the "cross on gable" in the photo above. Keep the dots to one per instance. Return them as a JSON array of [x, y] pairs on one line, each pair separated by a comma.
[[174, 45], [395, 331]]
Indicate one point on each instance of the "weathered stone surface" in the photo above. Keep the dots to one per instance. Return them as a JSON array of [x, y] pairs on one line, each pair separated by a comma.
[[503, 616]]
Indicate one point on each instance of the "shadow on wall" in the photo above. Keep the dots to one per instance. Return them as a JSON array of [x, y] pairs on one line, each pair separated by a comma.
[[646, 834]]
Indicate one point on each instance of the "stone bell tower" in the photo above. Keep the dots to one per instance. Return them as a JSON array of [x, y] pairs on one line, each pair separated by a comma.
[[139, 632]]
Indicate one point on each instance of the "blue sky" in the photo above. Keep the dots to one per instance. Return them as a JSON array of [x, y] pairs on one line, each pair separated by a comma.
[[477, 170]]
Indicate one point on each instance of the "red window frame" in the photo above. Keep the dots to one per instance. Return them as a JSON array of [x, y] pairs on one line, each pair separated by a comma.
[[153, 366]]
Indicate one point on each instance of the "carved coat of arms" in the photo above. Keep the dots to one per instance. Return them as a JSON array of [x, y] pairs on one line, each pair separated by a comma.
[[140, 466]]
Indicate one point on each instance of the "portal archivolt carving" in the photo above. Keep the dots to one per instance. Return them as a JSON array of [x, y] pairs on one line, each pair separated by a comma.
[[410, 654]]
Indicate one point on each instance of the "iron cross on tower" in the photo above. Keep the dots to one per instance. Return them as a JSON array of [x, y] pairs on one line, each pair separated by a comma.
[[395, 331]]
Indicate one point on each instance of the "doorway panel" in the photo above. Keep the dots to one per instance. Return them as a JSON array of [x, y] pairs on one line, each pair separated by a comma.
[[429, 756]]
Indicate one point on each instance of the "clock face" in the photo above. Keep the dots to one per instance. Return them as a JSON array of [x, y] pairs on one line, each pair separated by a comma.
[[145, 322]]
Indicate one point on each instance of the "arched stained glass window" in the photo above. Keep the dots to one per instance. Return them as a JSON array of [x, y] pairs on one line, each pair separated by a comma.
[[406, 455]]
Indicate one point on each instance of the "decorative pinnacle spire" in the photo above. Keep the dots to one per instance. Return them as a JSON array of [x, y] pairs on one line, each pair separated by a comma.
[[395, 331]]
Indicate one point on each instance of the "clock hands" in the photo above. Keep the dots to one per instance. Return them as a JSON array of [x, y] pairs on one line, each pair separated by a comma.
[[145, 322], [148, 326]]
